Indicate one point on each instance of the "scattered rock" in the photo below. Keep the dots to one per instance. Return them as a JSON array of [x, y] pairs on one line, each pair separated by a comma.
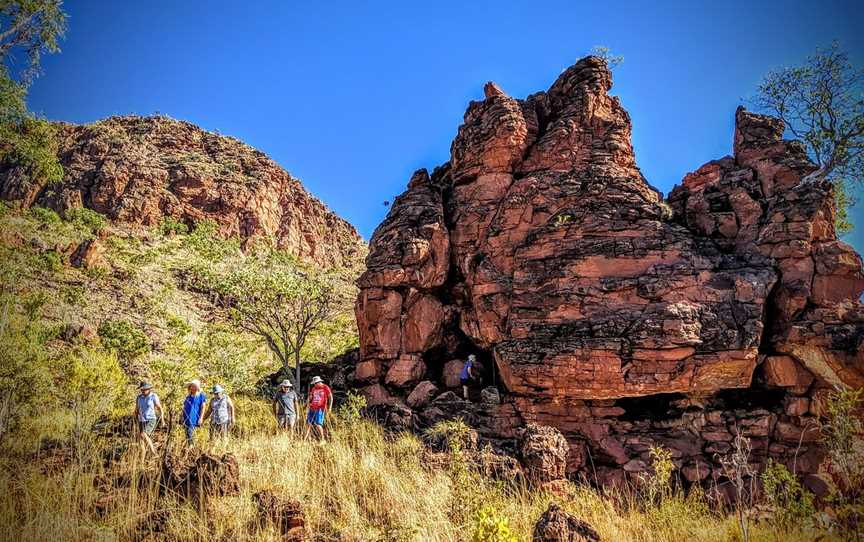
[[490, 396], [556, 525], [90, 255], [544, 453], [286, 514], [422, 394]]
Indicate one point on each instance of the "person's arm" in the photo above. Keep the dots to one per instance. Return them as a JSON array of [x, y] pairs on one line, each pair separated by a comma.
[[201, 411], [157, 404], [207, 411], [329, 399], [232, 414]]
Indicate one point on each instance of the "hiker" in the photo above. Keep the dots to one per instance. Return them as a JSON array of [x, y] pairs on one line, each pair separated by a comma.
[[193, 410], [221, 412], [319, 402], [285, 405], [147, 405], [467, 375]]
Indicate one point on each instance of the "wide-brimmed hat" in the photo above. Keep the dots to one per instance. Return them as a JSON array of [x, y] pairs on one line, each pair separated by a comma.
[[315, 380], [195, 382], [472, 357], [144, 385], [217, 389], [286, 384]]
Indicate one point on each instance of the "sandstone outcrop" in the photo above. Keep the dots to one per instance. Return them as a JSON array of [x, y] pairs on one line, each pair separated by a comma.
[[623, 320], [140, 170], [556, 525]]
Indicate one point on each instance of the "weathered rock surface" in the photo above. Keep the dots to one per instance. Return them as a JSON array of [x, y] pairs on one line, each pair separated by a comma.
[[139, 170], [556, 525], [599, 309]]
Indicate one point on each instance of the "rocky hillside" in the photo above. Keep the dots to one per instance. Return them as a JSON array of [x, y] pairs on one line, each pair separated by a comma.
[[140, 170], [624, 320]]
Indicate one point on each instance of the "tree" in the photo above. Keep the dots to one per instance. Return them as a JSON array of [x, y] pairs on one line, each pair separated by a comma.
[[822, 104], [613, 61], [30, 27], [275, 298]]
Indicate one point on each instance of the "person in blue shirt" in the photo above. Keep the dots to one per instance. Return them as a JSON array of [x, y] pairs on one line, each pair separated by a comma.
[[147, 405], [467, 375], [193, 410]]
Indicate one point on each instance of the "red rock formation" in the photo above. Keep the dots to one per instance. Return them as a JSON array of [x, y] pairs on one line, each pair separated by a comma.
[[620, 319], [141, 169]]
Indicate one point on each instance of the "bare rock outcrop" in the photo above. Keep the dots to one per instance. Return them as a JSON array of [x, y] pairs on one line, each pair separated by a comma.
[[139, 170], [596, 307]]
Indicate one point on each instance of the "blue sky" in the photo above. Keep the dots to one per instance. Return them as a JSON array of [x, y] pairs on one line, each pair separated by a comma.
[[352, 97]]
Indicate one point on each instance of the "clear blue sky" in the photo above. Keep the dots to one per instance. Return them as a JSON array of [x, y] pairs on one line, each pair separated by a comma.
[[352, 97]]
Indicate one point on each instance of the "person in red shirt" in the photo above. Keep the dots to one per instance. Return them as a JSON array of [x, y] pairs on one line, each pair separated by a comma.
[[319, 402]]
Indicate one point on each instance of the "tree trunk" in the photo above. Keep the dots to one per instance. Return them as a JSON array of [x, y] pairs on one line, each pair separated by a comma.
[[297, 365]]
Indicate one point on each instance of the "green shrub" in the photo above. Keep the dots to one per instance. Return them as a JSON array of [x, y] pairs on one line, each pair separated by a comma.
[[123, 337], [177, 325], [50, 261], [171, 226], [656, 484], [353, 406], [86, 219], [44, 215], [491, 526], [74, 295], [207, 243], [792, 504]]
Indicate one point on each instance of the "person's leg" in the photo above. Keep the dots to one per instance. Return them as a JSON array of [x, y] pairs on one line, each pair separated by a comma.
[[291, 422], [148, 428], [465, 391], [190, 435]]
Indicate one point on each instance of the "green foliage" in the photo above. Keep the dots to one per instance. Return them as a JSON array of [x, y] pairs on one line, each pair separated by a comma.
[[31, 27], [491, 526], [26, 142], [454, 433], [44, 216], [792, 504], [353, 406], [25, 375], [206, 242], [656, 484], [822, 104], [268, 294], [843, 438], [86, 219], [170, 226], [843, 202], [606, 54], [219, 354], [177, 325], [50, 261], [123, 337]]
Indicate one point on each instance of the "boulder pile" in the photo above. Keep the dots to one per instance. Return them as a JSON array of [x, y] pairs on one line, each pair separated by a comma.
[[596, 307]]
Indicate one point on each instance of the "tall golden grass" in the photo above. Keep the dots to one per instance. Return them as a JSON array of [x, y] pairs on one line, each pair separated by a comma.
[[360, 485]]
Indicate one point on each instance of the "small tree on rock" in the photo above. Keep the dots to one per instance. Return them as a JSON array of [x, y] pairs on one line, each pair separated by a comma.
[[822, 104]]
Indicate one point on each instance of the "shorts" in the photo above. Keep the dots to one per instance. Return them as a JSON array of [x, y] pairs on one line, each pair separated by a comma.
[[287, 420], [218, 429], [465, 381], [315, 417], [147, 427]]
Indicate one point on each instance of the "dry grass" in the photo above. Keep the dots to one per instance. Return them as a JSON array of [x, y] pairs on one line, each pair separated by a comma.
[[361, 485]]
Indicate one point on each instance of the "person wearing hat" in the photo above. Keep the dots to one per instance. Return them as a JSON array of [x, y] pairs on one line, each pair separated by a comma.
[[467, 375], [147, 406], [193, 409], [319, 402], [285, 405], [221, 412]]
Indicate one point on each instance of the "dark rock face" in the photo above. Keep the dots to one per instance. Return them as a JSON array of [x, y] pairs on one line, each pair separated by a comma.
[[599, 309], [139, 170]]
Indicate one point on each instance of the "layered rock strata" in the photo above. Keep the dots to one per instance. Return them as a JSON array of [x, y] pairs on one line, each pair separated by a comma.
[[598, 308], [140, 170]]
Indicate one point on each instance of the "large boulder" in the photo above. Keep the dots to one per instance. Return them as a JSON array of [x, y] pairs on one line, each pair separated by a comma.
[[544, 452], [621, 319]]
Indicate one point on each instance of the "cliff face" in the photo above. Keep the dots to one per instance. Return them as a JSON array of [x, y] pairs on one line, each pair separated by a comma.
[[598, 308], [140, 169]]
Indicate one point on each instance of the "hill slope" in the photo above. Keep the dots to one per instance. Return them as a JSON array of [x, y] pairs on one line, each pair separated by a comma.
[[140, 170]]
